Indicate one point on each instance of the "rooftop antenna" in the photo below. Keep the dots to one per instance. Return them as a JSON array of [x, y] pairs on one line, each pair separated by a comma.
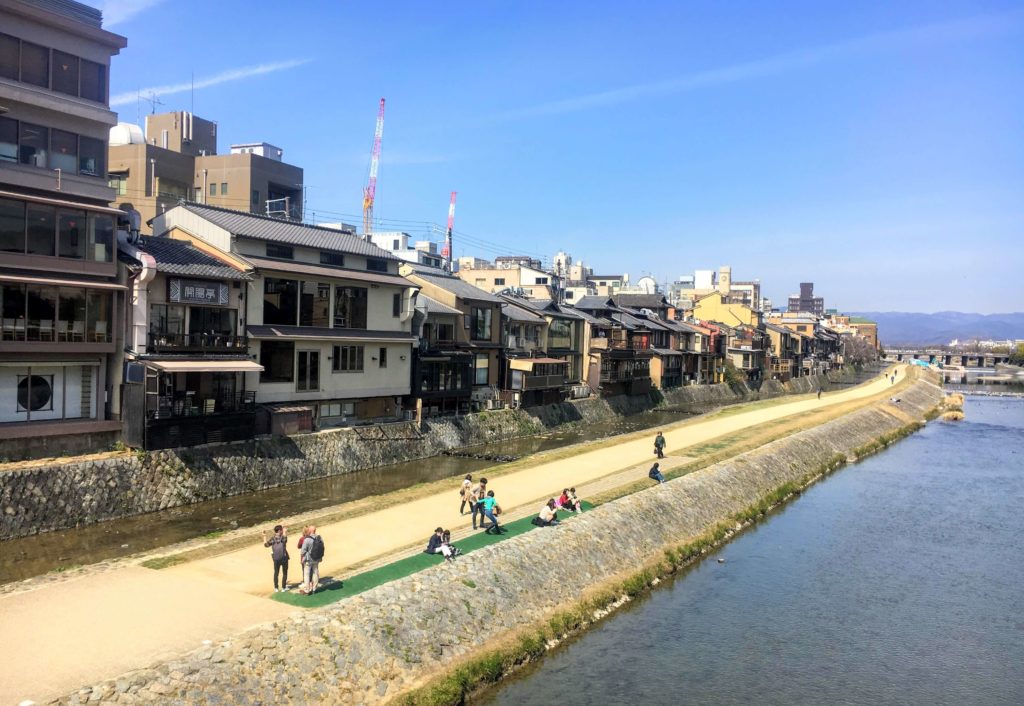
[[153, 102]]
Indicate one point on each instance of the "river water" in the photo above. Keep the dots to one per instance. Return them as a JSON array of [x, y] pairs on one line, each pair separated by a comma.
[[898, 580]]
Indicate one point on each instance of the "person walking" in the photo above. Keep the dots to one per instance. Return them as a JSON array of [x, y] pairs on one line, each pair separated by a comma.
[[659, 445], [819, 393], [655, 474], [278, 543], [312, 554], [490, 510], [467, 485], [476, 495]]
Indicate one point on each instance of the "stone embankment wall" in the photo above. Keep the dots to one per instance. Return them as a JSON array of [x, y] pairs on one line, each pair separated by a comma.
[[70, 494], [375, 645]]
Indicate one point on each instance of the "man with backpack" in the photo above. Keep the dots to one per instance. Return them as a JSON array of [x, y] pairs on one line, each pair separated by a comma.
[[659, 445], [278, 544], [312, 555]]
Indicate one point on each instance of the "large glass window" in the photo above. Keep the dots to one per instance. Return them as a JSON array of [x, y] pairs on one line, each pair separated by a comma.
[[92, 156], [71, 316], [10, 50], [8, 140], [482, 365], [207, 319], [101, 237], [12, 226], [12, 312], [94, 81], [315, 308], [350, 307], [63, 151], [347, 359], [278, 361], [167, 319], [33, 144], [480, 324], [98, 320], [42, 313], [376, 265], [42, 228], [309, 371], [280, 301], [560, 334], [65, 73], [35, 64], [71, 234]]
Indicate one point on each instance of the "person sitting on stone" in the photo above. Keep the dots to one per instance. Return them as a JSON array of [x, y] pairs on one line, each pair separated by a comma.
[[548, 516], [655, 474], [434, 543], [573, 503], [449, 550]]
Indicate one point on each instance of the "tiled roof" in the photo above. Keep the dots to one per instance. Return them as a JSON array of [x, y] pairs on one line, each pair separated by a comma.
[[179, 257], [458, 287], [433, 306], [520, 313], [640, 301], [308, 268], [591, 302], [279, 230]]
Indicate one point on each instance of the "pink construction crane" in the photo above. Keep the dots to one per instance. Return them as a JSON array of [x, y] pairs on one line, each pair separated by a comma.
[[371, 185], [446, 251]]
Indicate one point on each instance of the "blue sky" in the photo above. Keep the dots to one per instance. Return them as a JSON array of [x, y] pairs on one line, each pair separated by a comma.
[[873, 148]]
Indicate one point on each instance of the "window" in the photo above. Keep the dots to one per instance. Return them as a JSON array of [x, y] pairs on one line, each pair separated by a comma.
[[481, 364], [350, 307], [480, 326], [35, 393], [42, 313], [224, 189], [602, 284], [395, 244], [498, 281], [383, 357], [208, 319], [278, 361], [63, 151], [165, 319], [119, 183], [335, 259], [213, 188], [10, 50], [101, 238], [94, 81], [315, 305], [281, 252], [98, 320], [541, 280], [376, 265], [71, 231], [568, 294], [35, 65], [348, 359], [396, 304], [280, 301], [92, 156], [8, 140], [446, 333], [65, 73], [33, 144], [12, 310], [309, 371], [42, 229], [12, 226], [255, 198]]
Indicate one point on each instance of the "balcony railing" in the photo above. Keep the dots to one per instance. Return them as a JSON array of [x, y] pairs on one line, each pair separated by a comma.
[[540, 382], [191, 405], [196, 343], [624, 375]]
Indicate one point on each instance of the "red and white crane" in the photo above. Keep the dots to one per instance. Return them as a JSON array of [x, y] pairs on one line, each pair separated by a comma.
[[370, 191], [446, 251]]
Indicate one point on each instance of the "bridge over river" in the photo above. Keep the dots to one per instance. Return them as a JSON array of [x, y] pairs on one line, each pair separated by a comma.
[[948, 358]]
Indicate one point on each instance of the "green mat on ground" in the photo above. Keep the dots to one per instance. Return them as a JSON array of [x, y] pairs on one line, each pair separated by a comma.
[[331, 591]]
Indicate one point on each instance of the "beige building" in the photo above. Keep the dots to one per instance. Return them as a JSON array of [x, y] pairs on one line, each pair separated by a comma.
[[525, 280], [60, 291], [176, 160], [326, 314]]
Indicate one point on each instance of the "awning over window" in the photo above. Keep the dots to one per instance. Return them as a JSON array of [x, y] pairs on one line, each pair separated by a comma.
[[89, 284], [205, 366], [528, 363]]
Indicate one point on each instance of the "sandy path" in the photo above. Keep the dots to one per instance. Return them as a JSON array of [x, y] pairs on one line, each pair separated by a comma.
[[100, 626], [356, 541]]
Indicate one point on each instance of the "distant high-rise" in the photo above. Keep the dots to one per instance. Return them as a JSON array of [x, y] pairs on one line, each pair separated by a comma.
[[806, 302]]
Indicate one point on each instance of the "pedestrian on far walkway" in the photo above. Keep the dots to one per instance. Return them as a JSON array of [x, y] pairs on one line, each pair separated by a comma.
[[476, 495], [659, 445], [655, 474], [491, 510], [819, 393], [278, 543]]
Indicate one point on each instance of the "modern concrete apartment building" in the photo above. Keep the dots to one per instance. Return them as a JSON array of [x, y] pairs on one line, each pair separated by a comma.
[[176, 159], [806, 302], [60, 296]]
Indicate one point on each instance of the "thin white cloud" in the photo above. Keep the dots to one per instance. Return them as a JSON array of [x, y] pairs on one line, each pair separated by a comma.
[[972, 28], [117, 11], [207, 81]]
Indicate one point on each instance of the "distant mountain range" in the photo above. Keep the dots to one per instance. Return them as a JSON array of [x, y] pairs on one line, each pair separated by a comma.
[[897, 327]]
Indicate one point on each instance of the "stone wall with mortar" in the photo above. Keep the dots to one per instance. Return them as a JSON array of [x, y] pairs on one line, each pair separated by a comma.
[[75, 493], [371, 647]]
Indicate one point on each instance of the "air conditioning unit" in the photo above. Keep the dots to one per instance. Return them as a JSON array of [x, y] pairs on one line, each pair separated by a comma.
[[134, 373]]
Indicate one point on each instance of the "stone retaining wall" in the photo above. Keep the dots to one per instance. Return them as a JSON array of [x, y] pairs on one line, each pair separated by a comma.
[[71, 494], [373, 646]]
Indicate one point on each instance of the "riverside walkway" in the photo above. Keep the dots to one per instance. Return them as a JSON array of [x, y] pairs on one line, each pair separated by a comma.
[[98, 626]]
